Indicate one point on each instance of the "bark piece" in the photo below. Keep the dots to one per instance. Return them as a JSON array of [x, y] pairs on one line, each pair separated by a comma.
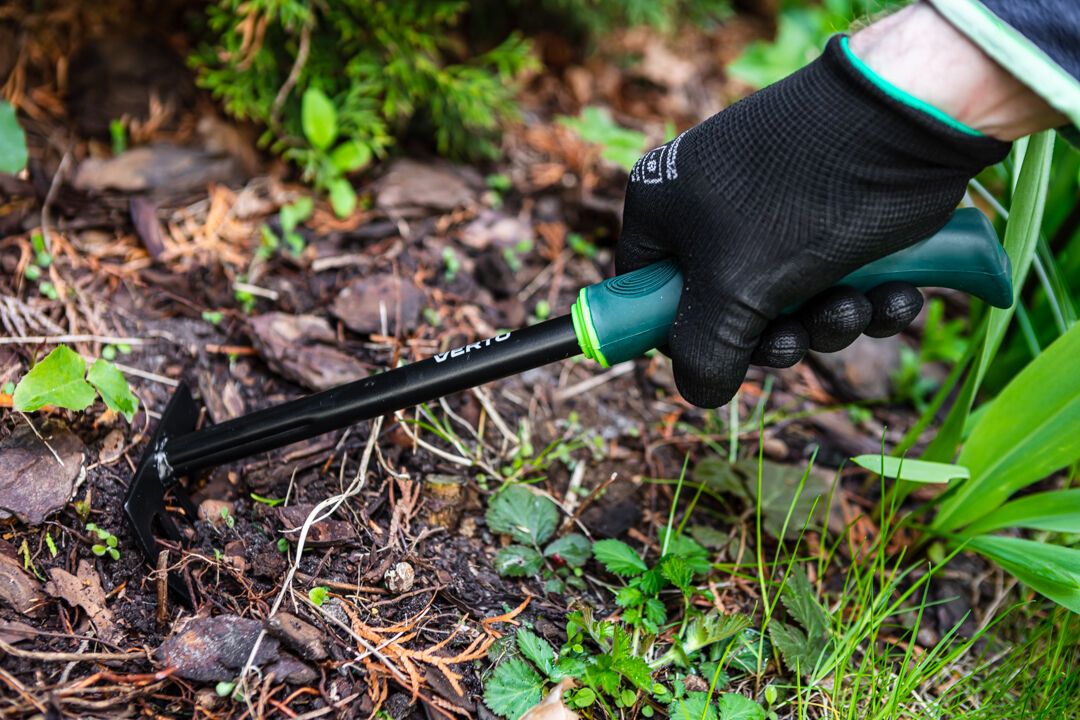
[[83, 590], [364, 300], [17, 587], [294, 346], [33, 485], [213, 649], [321, 534], [155, 169], [409, 183], [298, 635]]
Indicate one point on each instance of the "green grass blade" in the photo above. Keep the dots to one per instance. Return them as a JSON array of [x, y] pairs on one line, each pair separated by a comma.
[[1054, 511], [1050, 570], [1021, 239], [1029, 432]]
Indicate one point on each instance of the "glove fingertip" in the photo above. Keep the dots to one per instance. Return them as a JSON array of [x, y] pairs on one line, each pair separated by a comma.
[[783, 344], [895, 306]]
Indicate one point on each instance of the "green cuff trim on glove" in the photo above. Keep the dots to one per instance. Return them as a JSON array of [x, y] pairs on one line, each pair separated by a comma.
[[903, 97]]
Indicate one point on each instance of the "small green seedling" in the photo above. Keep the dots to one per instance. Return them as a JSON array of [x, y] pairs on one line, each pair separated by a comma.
[[318, 594], [108, 543], [451, 263], [61, 380], [268, 501], [118, 135], [50, 543], [530, 520], [212, 316], [227, 516], [283, 545]]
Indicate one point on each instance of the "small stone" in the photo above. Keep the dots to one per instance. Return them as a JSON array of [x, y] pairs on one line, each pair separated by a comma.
[[33, 484], [467, 528], [215, 512], [298, 635], [399, 578], [774, 448], [213, 649]]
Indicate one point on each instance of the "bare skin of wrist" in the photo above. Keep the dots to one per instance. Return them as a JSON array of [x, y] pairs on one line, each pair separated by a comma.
[[920, 52]]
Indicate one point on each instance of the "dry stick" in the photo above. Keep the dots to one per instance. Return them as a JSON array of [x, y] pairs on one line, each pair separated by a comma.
[[489, 406], [323, 510], [294, 75], [57, 339], [54, 188], [70, 656], [163, 587], [594, 382]]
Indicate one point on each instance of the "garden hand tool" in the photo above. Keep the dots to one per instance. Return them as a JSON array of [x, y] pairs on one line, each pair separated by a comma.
[[613, 321]]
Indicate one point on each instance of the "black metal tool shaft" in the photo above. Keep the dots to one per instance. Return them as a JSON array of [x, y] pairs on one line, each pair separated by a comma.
[[443, 374]]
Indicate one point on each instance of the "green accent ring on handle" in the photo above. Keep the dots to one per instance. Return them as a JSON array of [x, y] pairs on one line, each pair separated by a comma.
[[584, 329]]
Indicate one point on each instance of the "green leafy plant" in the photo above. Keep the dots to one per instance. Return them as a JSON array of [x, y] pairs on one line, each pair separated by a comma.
[[620, 145], [594, 18], [291, 216], [801, 33], [108, 544], [318, 594], [61, 380], [13, 153], [531, 520], [335, 83]]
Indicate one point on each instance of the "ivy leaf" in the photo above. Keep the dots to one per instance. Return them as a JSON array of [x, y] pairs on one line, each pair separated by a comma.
[[318, 118], [350, 156], [738, 707], [695, 706], [113, 386], [342, 197], [619, 558], [573, 549], [523, 515], [536, 649], [518, 561], [56, 380], [513, 688], [12, 141]]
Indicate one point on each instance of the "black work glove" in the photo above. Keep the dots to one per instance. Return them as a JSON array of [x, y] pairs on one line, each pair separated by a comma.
[[770, 202]]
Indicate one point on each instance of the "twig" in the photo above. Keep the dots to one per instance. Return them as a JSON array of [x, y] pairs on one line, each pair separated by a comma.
[[163, 587], [294, 75], [593, 382], [70, 656], [57, 339], [54, 188]]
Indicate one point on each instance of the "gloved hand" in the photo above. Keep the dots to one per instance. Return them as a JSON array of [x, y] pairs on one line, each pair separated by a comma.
[[773, 200]]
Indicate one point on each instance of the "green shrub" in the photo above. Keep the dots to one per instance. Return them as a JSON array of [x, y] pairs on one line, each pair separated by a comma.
[[379, 69]]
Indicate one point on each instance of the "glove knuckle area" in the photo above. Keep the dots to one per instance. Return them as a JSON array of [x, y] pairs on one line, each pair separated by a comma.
[[784, 343]]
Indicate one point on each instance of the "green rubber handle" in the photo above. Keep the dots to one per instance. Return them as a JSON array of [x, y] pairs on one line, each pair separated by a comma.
[[626, 316]]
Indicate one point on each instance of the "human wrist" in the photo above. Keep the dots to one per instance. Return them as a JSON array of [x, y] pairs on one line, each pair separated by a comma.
[[920, 53]]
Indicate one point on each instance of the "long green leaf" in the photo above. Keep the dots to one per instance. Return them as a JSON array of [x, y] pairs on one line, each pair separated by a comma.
[[1051, 570], [1055, 511], [1031, 431], [1021, 239]]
